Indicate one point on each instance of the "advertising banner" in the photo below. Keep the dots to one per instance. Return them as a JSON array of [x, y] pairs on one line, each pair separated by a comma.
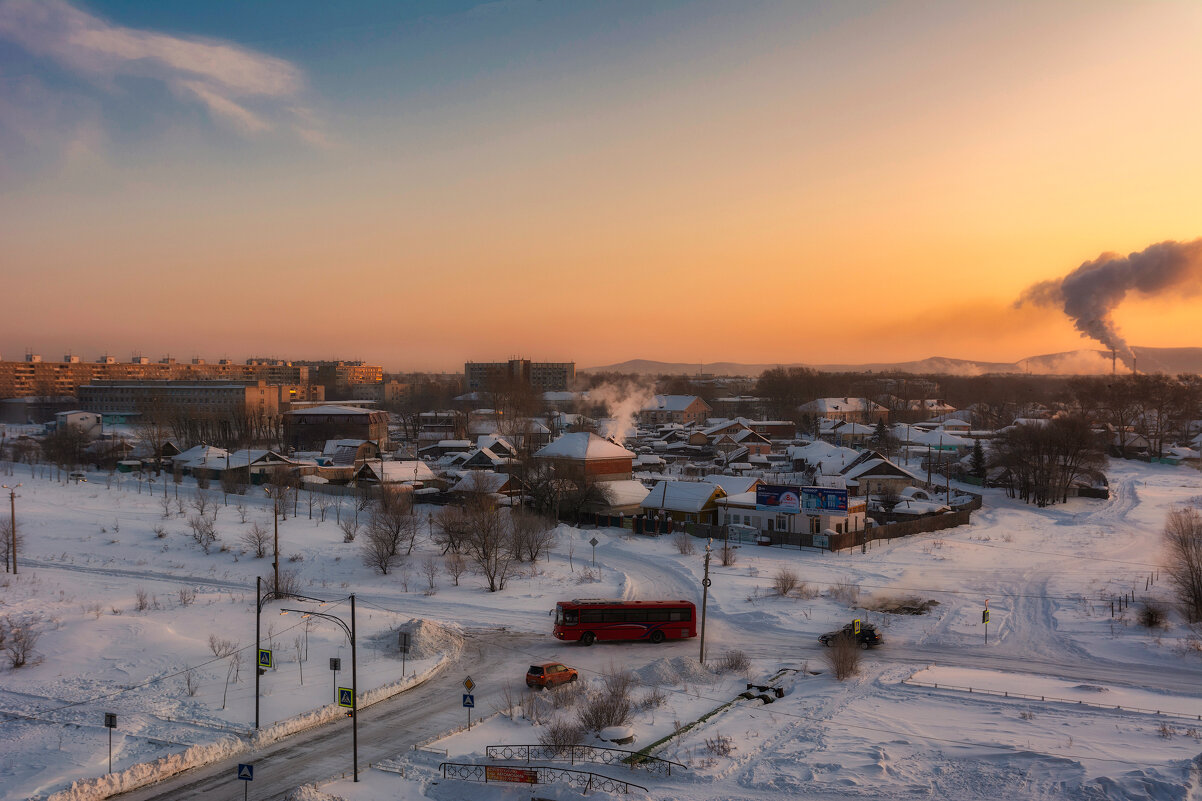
[[495, 773], [777, 498], [824, 499]]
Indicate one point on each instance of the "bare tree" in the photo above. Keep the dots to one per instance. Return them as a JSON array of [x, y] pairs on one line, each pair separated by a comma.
[[1183, 535], [204, 531], [19, 641], [201, 502], [451, 529], [456, 565], [429, 569], [488, 545], [6, 539], [533, 535], [256, 540]]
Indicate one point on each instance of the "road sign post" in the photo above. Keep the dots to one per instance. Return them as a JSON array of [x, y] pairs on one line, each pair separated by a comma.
[[469, 700], [985, 620], [335, 666], [110, 723], [402, 644], [247, 774]]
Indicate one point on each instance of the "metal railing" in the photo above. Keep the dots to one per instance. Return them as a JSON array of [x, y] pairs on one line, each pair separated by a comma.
[[581, 780], [583, 753], [1031, 697]]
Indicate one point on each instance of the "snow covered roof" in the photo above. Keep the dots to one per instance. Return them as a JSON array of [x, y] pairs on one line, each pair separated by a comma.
[[682, 496], [672, 403], [331, 408], [400, 471], [481, 481], [333, 445], [824, 405], [831, 457], [854, 471], [733, 485], [628, 492], [583, 445]]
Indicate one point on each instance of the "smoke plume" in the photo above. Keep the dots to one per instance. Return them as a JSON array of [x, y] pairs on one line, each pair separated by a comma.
[[622, 401], [1091, 292]]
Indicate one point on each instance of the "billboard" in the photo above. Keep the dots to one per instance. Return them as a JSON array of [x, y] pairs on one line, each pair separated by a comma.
[[778, 498], [794, 500], [824, 499]]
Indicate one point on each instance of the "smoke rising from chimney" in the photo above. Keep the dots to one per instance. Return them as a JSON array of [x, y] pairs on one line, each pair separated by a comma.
[[623, 401], [1091, 292]]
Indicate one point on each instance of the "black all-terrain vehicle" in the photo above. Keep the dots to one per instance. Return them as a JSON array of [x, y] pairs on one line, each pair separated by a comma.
[[867, 638]]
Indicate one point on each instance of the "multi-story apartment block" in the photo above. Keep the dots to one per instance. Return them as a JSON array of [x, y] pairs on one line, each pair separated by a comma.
[[34, 378], [539, 376], [196, 399], [340, 378]]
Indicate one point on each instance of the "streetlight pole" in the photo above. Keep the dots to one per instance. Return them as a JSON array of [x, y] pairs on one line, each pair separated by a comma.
[[12, 521], [350, 632], [262, 598], [705, 589], [275, 517]]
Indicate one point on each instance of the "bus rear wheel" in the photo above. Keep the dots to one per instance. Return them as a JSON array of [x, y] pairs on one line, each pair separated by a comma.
[[657, 637], [588, 638]]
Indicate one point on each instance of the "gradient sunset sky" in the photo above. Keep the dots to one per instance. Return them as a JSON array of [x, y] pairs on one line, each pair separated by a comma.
[[419, 184]]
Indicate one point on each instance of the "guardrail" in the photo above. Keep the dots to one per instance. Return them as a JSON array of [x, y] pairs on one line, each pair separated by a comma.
[[1031, 697], [583, 753], [538, 774]]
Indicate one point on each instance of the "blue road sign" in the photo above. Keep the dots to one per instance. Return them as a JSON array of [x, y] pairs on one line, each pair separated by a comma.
[[264, 658], [246, 772], [346, 697], [469, 700]]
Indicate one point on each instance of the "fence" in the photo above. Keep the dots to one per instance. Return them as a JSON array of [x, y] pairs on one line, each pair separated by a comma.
[[1031, 697], [583, 753], [581, 780]]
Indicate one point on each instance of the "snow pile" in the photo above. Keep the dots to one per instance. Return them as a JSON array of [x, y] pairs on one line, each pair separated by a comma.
[[678, 670], [428, 640], [309, 792], [149, 772]]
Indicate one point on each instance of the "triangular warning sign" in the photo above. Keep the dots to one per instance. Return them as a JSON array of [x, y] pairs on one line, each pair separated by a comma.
[[245, 772]]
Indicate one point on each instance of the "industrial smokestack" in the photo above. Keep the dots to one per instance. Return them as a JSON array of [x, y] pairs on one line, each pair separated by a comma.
[[1091, 292]]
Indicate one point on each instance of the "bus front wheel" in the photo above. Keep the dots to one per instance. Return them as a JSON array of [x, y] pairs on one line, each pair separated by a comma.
[[588, 638], [657, 637]]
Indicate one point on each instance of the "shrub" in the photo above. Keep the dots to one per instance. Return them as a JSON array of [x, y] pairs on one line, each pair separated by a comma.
[[611, 705], [19, 642], [728, 555], [141, 599], [785, 582], [187, 596], [684, 543], [256, 540], [1152, 616], [652, 699], [720, 745], [561, 734], [733, 662], [844, 657], [846, 592]]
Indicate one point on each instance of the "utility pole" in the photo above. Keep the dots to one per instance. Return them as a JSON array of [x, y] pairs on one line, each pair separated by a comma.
[[12, 508], [705, 588]]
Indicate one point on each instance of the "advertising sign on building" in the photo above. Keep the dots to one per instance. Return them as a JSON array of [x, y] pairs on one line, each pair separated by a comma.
[[824, 499], [778, 498]]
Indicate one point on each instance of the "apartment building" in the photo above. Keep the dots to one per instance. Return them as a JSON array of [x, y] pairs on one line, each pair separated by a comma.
[[539, 376]]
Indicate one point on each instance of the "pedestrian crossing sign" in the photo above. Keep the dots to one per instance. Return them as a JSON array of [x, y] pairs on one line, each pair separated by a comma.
[[265, 658], [346, 697]]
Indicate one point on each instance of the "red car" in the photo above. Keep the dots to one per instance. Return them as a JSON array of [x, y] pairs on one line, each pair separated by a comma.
[[550, 674]]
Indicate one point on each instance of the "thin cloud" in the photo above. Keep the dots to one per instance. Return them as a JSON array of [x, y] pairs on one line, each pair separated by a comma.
[[248, 91]]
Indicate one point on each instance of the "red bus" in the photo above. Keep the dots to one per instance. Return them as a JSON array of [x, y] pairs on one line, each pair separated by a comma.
[[590, 619]]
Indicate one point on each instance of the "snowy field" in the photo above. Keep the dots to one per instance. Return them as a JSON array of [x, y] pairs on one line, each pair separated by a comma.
[[150, 627]]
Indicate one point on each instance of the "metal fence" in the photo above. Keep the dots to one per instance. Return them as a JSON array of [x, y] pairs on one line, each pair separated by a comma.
[[583, 753], [1031, 697], [581, 780]]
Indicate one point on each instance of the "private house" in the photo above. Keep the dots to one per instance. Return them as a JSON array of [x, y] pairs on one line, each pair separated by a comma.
[[584, 456], [410, 472], [680, 409], [742, 513], [873, 474], [499, 484], [684, 501], [849, 410], [309, 428]]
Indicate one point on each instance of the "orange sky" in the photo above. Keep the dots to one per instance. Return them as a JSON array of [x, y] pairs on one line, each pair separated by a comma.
[[789, 184]]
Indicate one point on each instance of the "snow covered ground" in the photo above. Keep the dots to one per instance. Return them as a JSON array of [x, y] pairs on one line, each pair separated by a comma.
[[91, 552]]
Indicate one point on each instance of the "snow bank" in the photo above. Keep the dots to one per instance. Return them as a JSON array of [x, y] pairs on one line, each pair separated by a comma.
[[678, 670], [149, 772]]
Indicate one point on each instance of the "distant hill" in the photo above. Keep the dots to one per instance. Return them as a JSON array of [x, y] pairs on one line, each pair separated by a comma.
[[1076, 362]]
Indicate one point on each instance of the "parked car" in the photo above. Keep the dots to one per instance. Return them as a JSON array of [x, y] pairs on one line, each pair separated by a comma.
[[78, 477], [869, 636], [550, 674]]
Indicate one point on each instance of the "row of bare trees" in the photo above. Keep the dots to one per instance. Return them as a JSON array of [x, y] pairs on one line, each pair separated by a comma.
[[490, 539], [1042, 460]]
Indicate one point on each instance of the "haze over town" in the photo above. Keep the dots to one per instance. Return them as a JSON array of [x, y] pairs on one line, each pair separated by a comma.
[[677, 400]]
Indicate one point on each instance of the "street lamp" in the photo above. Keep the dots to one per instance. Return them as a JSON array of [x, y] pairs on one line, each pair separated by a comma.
[[262, 598], [12, 506], [275, 510], [350, 632]]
